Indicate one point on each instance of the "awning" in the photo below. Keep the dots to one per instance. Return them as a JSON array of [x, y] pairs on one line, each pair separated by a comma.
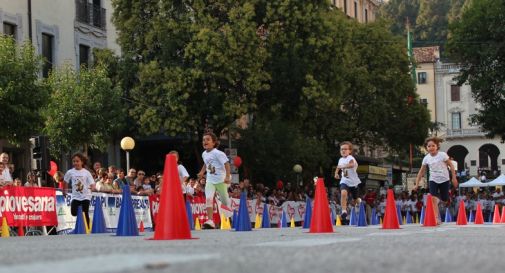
[[473, 182]]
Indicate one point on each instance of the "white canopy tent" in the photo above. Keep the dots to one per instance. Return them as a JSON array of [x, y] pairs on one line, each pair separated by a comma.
[[473, 182], [499, 181]]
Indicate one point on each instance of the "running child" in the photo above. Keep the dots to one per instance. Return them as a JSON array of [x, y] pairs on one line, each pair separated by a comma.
[[349, 179], [81, 183], [217, 167], [437, 163]]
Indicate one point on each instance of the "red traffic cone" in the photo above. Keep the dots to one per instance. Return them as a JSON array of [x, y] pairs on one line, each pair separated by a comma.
[[461, 221], [496, 216], [172, 220], [320, 221], [479, 219], [391, 215], [21, 229], [503, 215], [429, 219], [141, 227]]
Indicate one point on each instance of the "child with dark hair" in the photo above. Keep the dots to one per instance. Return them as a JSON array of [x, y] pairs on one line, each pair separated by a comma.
[[438, 163], [218, 178], [81, 183]]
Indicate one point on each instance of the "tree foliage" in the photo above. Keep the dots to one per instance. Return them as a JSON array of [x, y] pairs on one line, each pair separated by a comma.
[[22, 94], [477, 41], [199, 63], [398, 13], [84, 109]]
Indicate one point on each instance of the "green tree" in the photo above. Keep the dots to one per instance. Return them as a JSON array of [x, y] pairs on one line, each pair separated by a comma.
[[477, 42], [457, 7], [200, 63], [22, 93], [432, 22], [84, 110]]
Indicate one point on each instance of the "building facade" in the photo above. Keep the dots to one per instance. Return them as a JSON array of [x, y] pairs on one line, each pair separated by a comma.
[[464, 141], [64, 32], [426, 59], [363, 11]]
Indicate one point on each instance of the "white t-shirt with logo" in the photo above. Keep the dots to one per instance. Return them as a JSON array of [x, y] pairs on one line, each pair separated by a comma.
[[349, 176], [214, 161], [80, 181], [437, 166]]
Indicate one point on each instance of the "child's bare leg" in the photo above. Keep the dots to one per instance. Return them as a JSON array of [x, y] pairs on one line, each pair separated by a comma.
[[343, 200]]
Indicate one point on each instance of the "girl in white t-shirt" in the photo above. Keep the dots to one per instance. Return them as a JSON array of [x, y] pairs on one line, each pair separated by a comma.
[[81, 183], [217, 167], [438, 163]]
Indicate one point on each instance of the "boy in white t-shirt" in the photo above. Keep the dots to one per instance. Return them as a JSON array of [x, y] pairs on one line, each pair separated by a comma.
[[349, 179], [438, 163], [217, 167]]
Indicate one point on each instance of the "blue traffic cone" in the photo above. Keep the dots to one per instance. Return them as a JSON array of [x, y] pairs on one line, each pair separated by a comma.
[[127, 223], [243, 220], [362, 216], [373, 217], [80, 227], [234, 218], [352, 218], [422, 217], [190, 215], [399, 212], [284, 220], [471, 218], [308, 213], [448, 216], [265, 221], [98, 218], [408, 218]]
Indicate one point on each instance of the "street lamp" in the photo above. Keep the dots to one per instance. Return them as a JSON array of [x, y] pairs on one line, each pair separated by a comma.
[[297, 168], [127, 144]]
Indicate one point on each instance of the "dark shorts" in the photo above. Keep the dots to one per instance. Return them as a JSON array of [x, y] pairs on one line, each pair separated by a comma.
[[353, 191], [440, 190]]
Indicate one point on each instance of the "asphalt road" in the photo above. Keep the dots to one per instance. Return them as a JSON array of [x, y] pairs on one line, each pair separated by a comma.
[[448, 248]]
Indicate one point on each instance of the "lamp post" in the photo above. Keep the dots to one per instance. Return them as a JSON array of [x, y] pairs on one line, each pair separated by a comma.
[[297, 168], [127, 144]]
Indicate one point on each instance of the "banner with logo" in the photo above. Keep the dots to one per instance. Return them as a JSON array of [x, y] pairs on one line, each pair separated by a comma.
[[292, 209], [28, 206], [198, 208], [111, 205]]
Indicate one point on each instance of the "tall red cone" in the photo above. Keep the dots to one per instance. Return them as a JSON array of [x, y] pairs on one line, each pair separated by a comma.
[[172, 219], [390, 216], [503, 215], [479, 219], [461, 221], [320, 221], [496, 216], [430, 220]]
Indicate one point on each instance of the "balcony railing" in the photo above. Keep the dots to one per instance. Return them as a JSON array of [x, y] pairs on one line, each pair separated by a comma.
[[464, 132], [90, 14]]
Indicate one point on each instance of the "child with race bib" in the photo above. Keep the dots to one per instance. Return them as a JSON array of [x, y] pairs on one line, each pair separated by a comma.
[[218, 178]]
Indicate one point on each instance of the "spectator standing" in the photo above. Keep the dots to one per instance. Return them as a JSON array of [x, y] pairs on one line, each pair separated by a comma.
[[6, 174]]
